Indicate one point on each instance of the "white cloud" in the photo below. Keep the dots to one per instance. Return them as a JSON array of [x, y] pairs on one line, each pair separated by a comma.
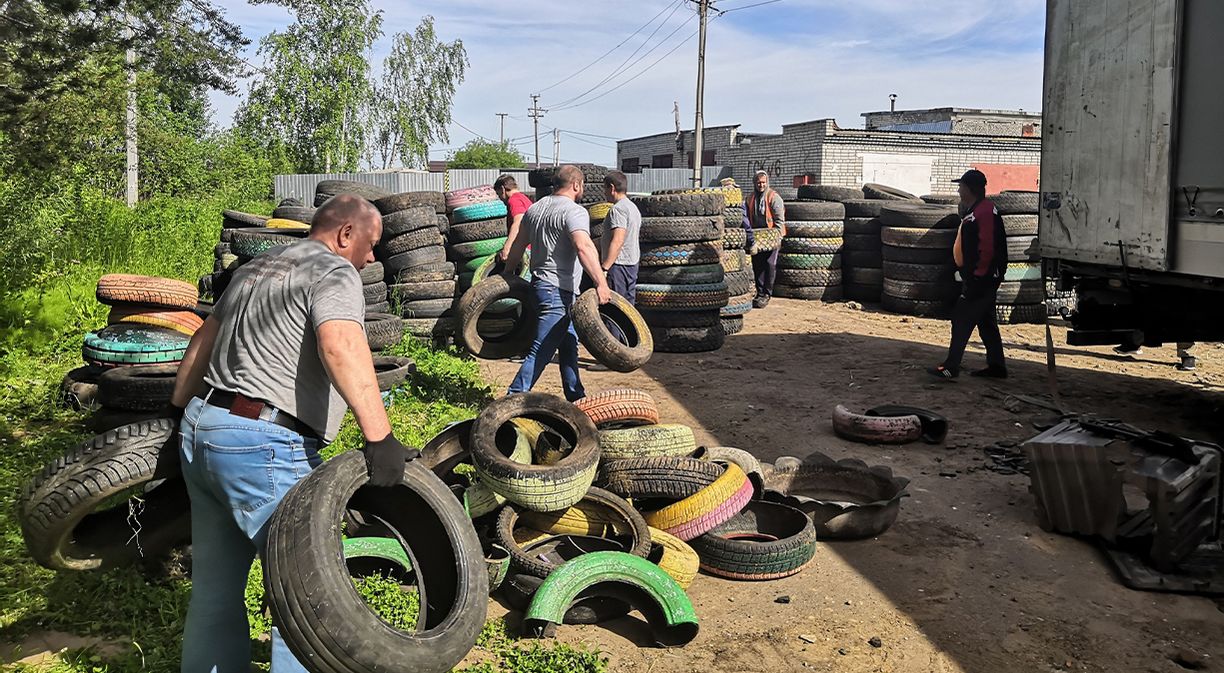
[[787, 62]]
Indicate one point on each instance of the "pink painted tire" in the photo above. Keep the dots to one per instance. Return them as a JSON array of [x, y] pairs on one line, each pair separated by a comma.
[[470, 196], [710, 520]]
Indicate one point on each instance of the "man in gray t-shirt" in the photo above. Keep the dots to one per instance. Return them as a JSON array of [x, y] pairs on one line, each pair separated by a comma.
[[619, 251], [559, 232], [266, 380]]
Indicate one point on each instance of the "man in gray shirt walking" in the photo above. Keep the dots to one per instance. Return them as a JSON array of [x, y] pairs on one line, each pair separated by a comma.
[[559, 232], [619, 251]]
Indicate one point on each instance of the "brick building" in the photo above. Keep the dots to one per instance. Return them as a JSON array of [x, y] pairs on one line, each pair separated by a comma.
[[920, 151]]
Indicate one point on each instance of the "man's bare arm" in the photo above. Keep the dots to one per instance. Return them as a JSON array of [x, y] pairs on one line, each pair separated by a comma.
[[190, 379], [345, 353], [588, 256]]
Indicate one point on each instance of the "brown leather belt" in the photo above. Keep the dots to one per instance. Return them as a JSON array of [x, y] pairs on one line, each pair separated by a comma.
[[241, 405]]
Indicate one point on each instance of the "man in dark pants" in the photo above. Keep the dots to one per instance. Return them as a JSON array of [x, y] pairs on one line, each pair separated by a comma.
[[764, 210], [619, 253], [980, 253]]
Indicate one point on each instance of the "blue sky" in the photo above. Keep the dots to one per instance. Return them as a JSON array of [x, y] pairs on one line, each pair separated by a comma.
[[779, 63]]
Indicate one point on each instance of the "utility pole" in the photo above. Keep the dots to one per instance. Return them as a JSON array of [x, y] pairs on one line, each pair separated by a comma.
[[704, 11], [129, 129], [535, 113], [556, 146], [502, 138]]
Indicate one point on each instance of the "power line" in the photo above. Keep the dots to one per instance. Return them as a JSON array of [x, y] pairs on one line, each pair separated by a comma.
[[736, 9], [584, 140], [609, 52]]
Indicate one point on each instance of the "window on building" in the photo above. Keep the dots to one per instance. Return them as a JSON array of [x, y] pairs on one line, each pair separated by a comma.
[[661, 161], [631, 165], [707, 158]]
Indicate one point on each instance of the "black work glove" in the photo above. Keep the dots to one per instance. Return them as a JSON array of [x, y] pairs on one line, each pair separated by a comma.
[[385, 460], [174, 413]]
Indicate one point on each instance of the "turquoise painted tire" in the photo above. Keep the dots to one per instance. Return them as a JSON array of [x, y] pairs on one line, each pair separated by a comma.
[[1023, 271], [478, 211], [133, 344], [667, 608]]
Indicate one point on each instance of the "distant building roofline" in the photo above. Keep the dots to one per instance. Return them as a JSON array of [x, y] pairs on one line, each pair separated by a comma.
[[955, 110], [705, 129]]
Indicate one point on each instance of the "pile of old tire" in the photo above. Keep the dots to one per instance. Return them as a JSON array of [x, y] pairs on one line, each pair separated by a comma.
[[682, 285], [594, 191], [598, 212], [810, 264], [211, 286], [1022, 295], [292, 209], [919, 272], [477, 230], [326, 189], [737, 271], [412, 260]]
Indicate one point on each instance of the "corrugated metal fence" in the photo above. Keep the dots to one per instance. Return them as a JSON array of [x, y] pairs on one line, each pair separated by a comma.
[[649, 180]]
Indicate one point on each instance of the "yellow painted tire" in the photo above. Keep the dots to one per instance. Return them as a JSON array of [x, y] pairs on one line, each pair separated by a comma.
[[281, 223], [599, 211], [588, 517], [676, 557], [707, 508], [481, 499], [647, 441]]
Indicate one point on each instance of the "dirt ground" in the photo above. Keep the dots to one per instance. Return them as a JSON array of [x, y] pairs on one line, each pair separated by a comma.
[[965, 580]]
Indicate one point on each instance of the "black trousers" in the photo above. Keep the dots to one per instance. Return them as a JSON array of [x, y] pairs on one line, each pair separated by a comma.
[[975, 309], [765, 268]]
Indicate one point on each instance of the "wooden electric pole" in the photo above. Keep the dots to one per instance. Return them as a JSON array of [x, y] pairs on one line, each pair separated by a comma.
[[129, 128], [502, 137], [699, 125], [535, 113]]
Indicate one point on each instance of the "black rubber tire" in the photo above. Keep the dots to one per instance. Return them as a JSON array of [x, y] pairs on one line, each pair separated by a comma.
[[942, 199], [79, 389], [372, 273], [792, 546], [593, 193], [739, 282], [863, 226], [869, 259], [424, 273], [443, 223], [681, 297], [830, 193], [688, 339], [1021, 292], [831, 293], [297, 213], [693, 319], [681, 254], [391, 371], [438, 289], [885, 193], [863, 208], [374, 293], [929, 309], [812, 246], [923, 291], [427, 308], [1020, 225], [907, 237], [739, 305], [891, 253], [1016, 203], [57, 509], [734, 238], [421, 256], [809, 277], [815, 211], [733, 217], [681, 229], [415, 240], [608, 350], [923, 273], [862, 242], [731, 325], [378, 306], [541, 178], [146, 388], [664, 477], [365, 190], [383, 330], [518, 588], [324, 621], [735, 260], [405, 200], [1018, 314], [476, 300], [680, 205], [803, 261], [410, 219], [234, 219], [862, 293], [479, 230], [829, 229], [1023, 249], [251, 243], [682, 275], [630, 521], [917, 215]]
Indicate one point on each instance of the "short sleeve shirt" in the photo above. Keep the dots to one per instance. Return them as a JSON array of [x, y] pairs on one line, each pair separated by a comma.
[[624, 214], [549, 223], [517, 204], [267, 348]]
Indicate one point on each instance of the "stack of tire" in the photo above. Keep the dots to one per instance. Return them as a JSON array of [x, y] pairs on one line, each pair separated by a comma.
[[810, 264], [682, 284], [594, 191], [1022, 295], [326, 189], [477, 232], [598, 212], [411, 262], [131, 364], [737, 269], [919, 272]]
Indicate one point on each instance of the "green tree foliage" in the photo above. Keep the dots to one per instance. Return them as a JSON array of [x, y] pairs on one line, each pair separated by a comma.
[[411, 105], [310, 97], [480, 153]]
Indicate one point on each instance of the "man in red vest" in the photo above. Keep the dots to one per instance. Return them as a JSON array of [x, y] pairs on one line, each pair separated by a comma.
[[765, 210]]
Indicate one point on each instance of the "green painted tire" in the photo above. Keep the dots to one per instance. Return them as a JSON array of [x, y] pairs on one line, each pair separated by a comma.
[[700, 297], [133, 344], [385, 548], [1023, 271], [478, 211], [648, 588], [647, 441], [812, 246], [800, 261], [473, 249], [765, 541], [540, 488], [491, 266]]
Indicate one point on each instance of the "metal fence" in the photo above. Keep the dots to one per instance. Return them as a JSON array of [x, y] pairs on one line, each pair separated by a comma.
[[649, 180]]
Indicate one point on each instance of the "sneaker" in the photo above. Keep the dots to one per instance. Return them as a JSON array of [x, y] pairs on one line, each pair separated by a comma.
[[943, 373], [1128, 350], [990, 373], [1187, 364], [761, 301]]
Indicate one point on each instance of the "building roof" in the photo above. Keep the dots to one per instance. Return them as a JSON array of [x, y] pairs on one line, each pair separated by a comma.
[[705, 129], [960, 110]]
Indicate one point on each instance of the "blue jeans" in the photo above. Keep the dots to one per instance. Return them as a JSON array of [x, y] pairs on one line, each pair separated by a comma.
[[555, 331], [237, 470]]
